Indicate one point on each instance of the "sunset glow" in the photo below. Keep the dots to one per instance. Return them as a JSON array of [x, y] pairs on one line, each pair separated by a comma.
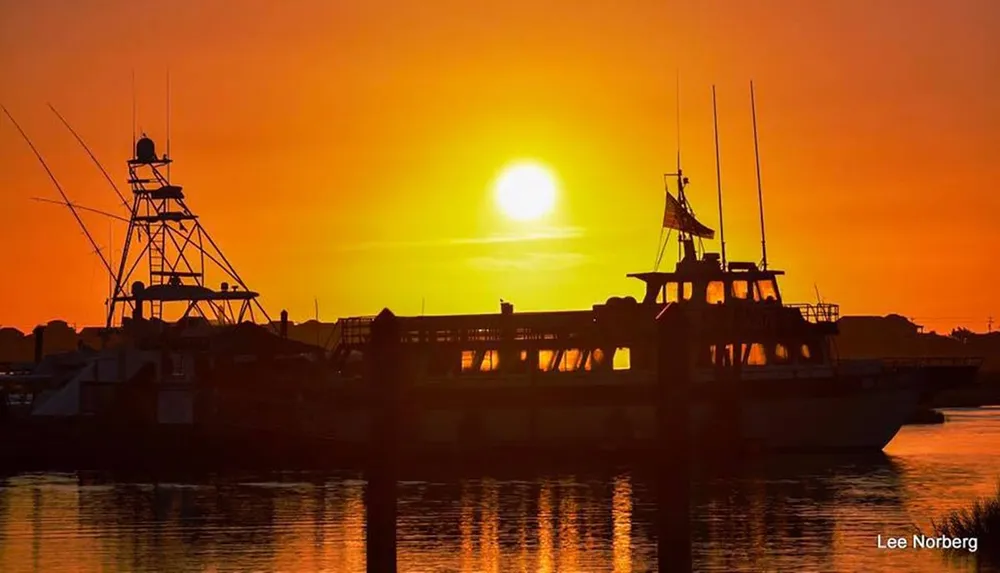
[[305, 134], [526, 191]]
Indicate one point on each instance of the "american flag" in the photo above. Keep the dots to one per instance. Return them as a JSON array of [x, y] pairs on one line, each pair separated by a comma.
[[676, 217]]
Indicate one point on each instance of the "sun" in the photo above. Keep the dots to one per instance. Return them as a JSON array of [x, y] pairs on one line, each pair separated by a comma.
[[526, 191]]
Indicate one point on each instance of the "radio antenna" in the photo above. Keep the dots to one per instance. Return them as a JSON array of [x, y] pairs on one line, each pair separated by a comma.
[[718, 177], [677, 99], [168, 124], [133, 111], [760, 193]]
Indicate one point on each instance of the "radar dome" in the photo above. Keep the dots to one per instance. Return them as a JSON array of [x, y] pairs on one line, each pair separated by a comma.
[[145, 150]]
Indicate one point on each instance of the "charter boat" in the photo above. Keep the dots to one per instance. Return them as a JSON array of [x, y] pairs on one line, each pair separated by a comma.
[[766, 369], [765, 373]]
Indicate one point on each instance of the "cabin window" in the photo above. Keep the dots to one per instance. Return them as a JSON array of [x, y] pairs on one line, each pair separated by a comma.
[[755, 355], [780, 353], [670, 292], [687, 291], [806, 353], [706, 358], [722, 356], [594, 360], [741, 289], [622, 359], [491, 361], [715, 293], [570, 360], [468, 360], [766, 289], [546, 358]]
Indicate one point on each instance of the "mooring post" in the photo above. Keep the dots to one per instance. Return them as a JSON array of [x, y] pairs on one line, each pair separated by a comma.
[[385, 384], [39, 333], [673, 469]]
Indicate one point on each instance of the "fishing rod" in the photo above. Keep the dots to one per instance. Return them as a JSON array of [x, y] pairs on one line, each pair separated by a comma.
[[55, 182]]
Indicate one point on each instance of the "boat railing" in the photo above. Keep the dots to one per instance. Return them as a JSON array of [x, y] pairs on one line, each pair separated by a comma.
[[355, 330], [817, 313]]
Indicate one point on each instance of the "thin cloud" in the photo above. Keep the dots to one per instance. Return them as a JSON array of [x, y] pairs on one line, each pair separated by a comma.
[[529, 262], [550, 235]]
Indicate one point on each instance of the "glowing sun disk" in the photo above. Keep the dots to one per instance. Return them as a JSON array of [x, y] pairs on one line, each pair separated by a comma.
[[525, 191]]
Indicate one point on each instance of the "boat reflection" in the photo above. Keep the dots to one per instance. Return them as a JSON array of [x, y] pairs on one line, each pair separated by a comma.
[[786, 512]]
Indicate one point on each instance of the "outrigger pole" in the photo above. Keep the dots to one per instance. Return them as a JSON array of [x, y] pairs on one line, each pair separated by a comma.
[[93, 158], [66, 200]]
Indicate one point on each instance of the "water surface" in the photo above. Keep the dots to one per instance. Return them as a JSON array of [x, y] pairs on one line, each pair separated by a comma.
[[791, 514]]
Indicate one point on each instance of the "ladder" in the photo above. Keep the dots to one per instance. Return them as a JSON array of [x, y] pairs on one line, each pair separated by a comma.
[[156, 276]]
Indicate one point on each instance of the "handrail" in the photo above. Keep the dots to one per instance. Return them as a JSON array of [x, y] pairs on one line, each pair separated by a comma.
[[817, 313]]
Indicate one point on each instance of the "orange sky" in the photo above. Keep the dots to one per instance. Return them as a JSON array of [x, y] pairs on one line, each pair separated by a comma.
[[344, 150]]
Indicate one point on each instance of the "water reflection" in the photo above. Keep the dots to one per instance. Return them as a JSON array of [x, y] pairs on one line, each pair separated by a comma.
[[621, 524], [814, 513], [545, 529], [490, 530]]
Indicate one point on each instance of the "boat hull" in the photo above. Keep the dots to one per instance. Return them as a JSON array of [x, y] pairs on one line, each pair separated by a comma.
[[600, 413], [588, 417], [859, 421]]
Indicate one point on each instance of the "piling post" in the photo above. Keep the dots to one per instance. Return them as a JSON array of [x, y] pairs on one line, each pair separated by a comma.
[[385, 384], [675, 369], [39, 333]]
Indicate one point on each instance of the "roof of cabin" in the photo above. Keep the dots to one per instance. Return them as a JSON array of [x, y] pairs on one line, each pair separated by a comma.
[[716, 273]]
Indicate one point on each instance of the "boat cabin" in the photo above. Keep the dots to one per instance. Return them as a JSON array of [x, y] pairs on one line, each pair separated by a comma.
[[705, 281]]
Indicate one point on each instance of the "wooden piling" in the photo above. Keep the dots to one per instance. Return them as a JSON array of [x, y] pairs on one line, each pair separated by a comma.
[[39, 333], [675, 369], [385, 384]]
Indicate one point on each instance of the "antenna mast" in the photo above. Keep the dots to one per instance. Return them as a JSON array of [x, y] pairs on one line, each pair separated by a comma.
[[686, 248], [680, 174], [133, 109], [718, 177], [168, 125], [677, 99], [760, 194]]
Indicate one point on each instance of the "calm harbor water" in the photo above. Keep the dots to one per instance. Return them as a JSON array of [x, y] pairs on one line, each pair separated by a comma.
[[792, 514]]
